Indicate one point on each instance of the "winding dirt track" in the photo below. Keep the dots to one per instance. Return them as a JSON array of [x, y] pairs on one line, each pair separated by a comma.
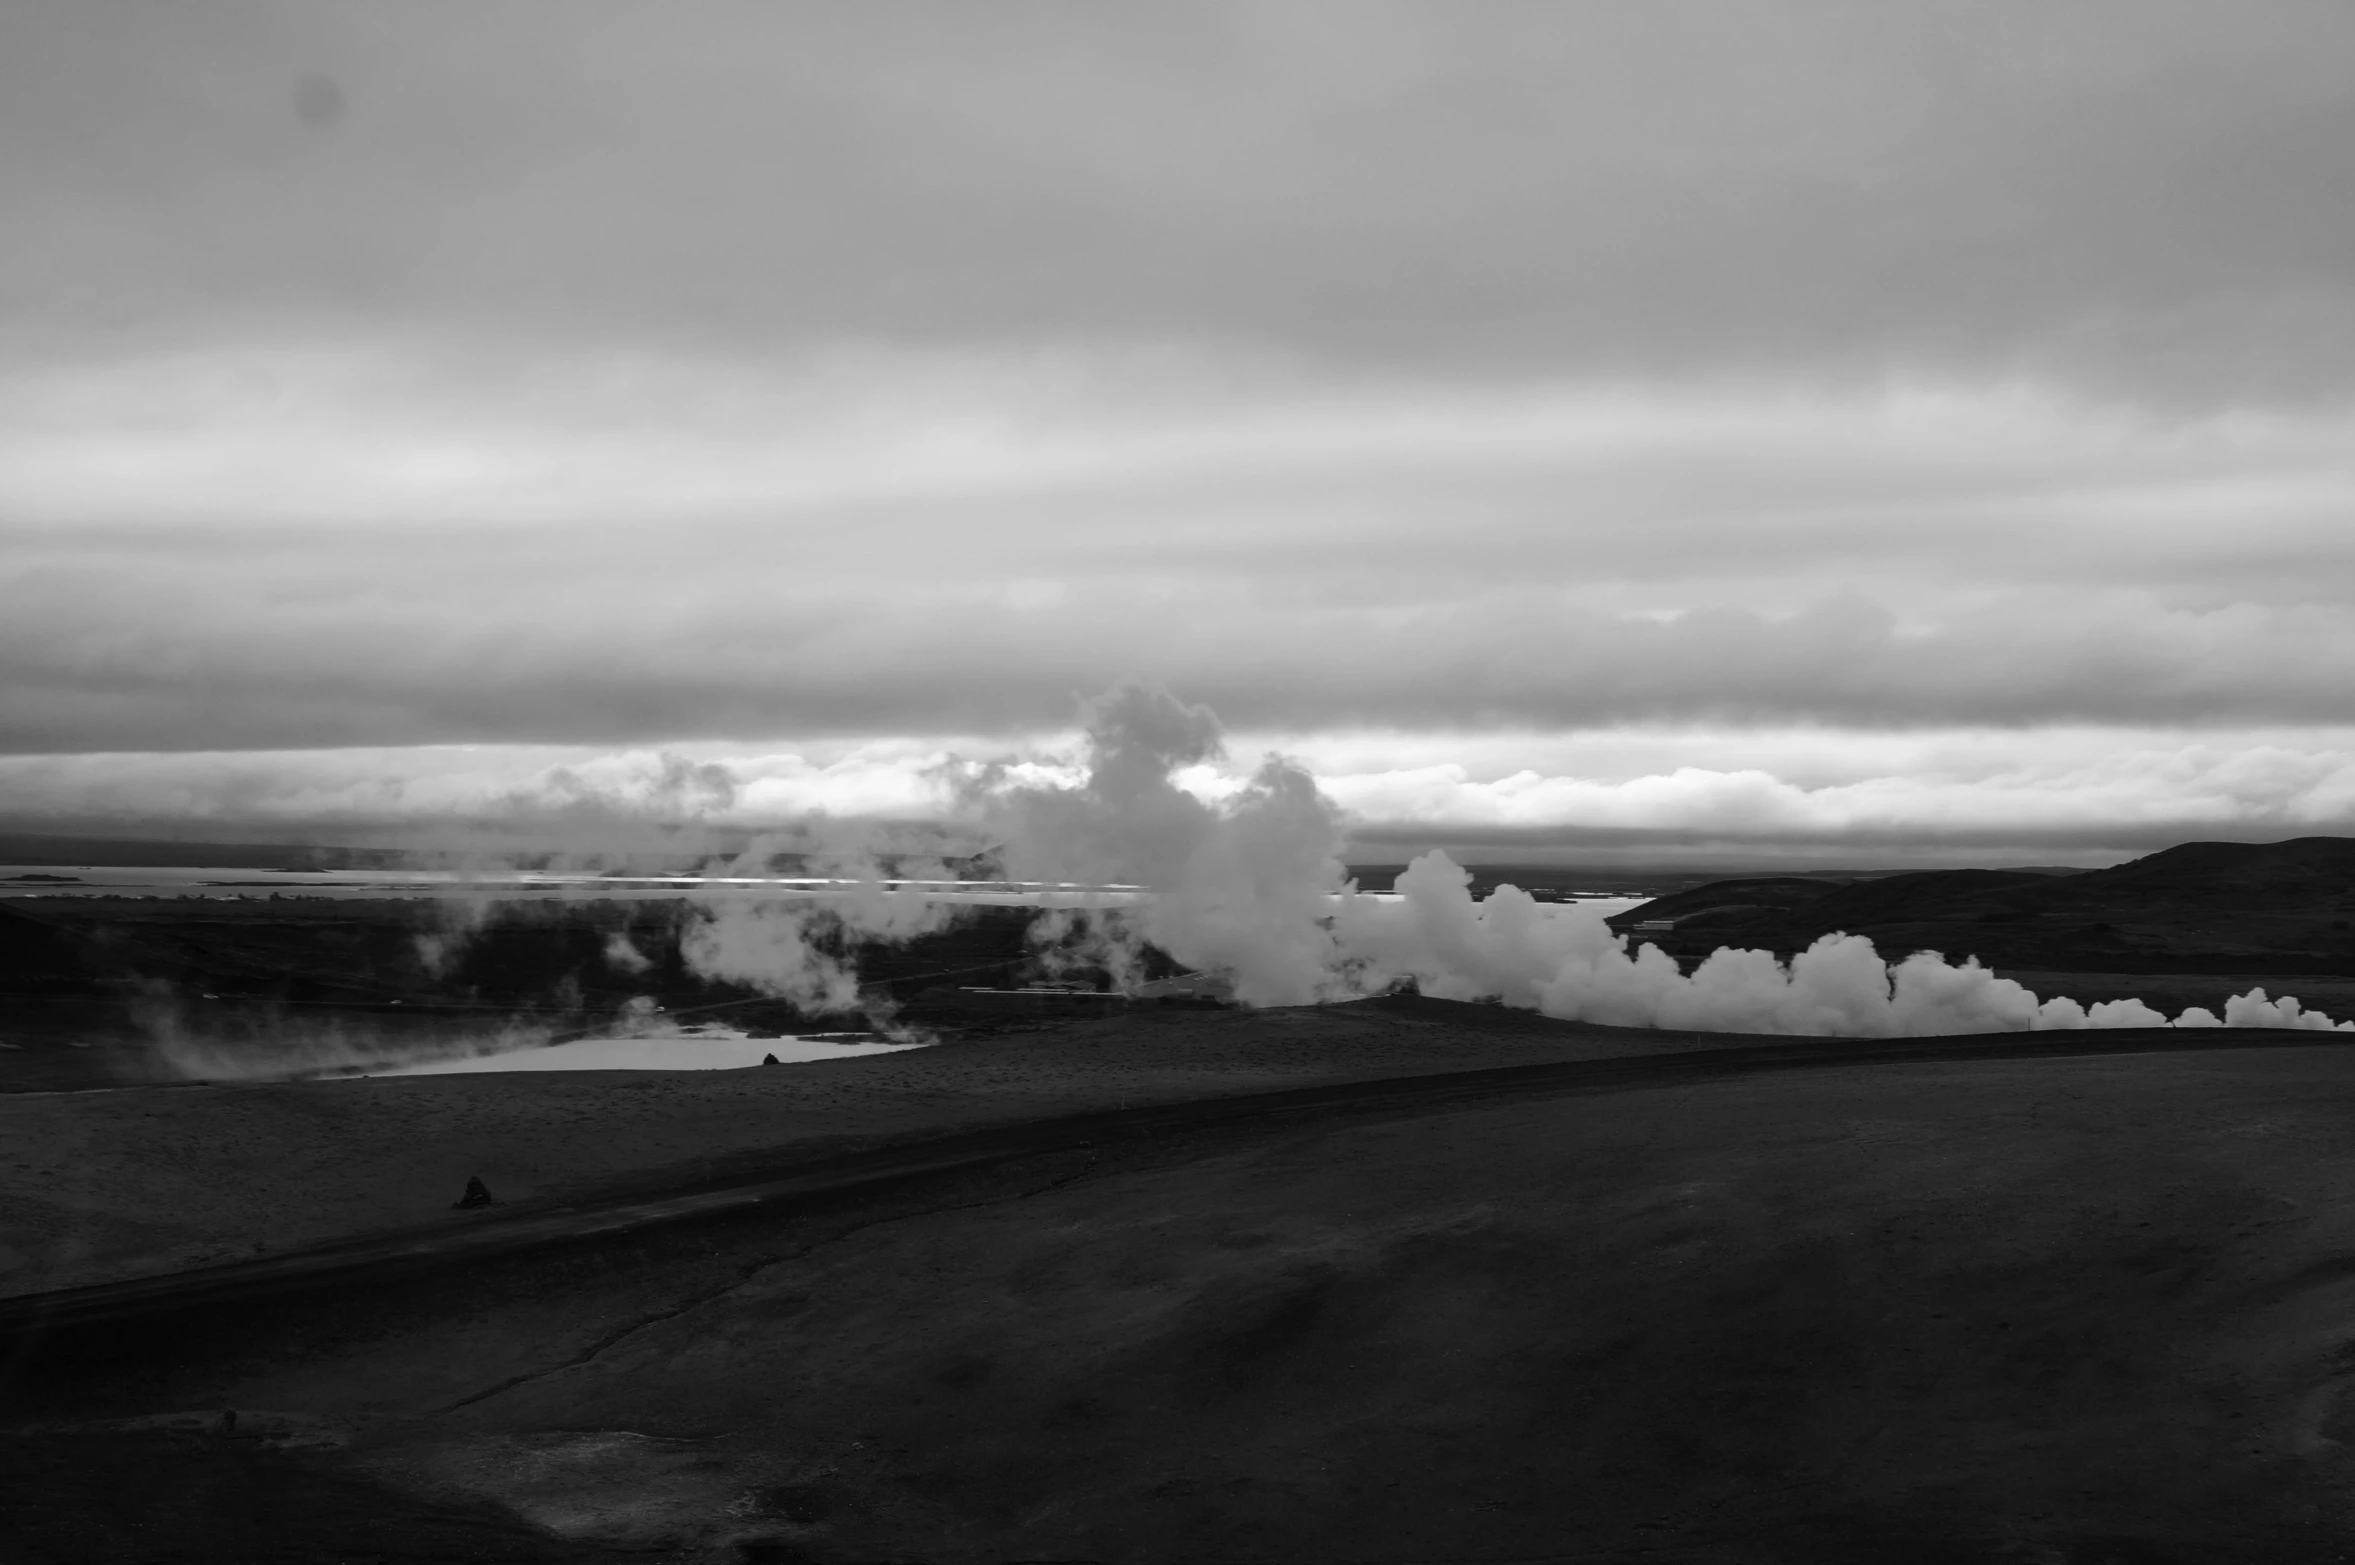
[[25, 1318]]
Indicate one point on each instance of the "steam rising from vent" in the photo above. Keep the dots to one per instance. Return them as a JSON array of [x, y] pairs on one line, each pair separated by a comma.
[[1133, 855], [799, 950], [1243, 888], [1565, 961], [1252, 888]]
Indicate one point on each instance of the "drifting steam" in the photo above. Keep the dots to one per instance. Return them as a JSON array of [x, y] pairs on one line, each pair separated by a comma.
[[1243, 888], [1253, 889], [1565, 961], [798, 951], [1250, 886]]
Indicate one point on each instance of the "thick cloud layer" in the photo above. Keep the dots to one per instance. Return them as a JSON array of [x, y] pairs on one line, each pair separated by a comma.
[[573, 373], [183, 674], [212, 568], [2146, 192]]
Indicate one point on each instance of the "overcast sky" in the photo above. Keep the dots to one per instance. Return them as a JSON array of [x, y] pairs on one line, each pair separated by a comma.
[[1811, 427]]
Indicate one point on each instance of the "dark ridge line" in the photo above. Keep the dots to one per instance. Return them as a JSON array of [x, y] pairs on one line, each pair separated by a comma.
[[415, 1250]]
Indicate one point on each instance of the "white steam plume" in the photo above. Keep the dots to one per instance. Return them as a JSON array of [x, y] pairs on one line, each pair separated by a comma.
[[795, 945], [1243, 888], [1565, 961], [623, 956], [218, 1044], [797, 948], [1252, 889]]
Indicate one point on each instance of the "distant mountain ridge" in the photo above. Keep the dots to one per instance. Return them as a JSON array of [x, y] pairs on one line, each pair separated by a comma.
[[2303, 865], [2233, 905]]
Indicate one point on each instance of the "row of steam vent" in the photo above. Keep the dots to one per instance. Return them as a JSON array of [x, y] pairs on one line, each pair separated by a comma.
[[1252, 889]]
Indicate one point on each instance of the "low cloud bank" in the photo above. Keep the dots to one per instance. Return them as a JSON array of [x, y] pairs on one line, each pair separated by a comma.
[[2039, 791]]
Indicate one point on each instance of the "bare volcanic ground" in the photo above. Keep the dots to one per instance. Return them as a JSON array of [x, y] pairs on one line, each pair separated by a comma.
[[2056, 1310], [97, 1186]]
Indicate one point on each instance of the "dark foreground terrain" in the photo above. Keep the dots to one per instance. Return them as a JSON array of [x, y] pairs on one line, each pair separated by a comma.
[[2091, 1310], [2058, 1310]]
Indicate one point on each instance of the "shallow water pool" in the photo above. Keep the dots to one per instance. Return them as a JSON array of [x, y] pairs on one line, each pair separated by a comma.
[[703, 1049]]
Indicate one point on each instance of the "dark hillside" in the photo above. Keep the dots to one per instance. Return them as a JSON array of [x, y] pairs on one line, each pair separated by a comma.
[[1725, 904], [2302, 870], [37, 958], [2215, 907], [1931, 894]]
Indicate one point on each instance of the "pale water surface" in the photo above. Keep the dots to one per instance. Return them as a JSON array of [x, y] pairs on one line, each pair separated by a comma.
[[709, 1049]]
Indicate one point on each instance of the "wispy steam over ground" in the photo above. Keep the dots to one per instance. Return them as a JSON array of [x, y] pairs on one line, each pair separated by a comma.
[[1246, 882], [1252, 887]]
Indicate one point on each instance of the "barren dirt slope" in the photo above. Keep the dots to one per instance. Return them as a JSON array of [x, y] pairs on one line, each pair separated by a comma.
[[101, 1185], [2077, 1312]]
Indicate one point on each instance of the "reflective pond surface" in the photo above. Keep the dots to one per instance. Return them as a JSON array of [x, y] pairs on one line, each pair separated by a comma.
[[697, 1049]]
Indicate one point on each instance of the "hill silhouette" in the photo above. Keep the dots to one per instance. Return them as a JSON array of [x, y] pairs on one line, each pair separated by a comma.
[[2224, 906], [2303, 868]]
